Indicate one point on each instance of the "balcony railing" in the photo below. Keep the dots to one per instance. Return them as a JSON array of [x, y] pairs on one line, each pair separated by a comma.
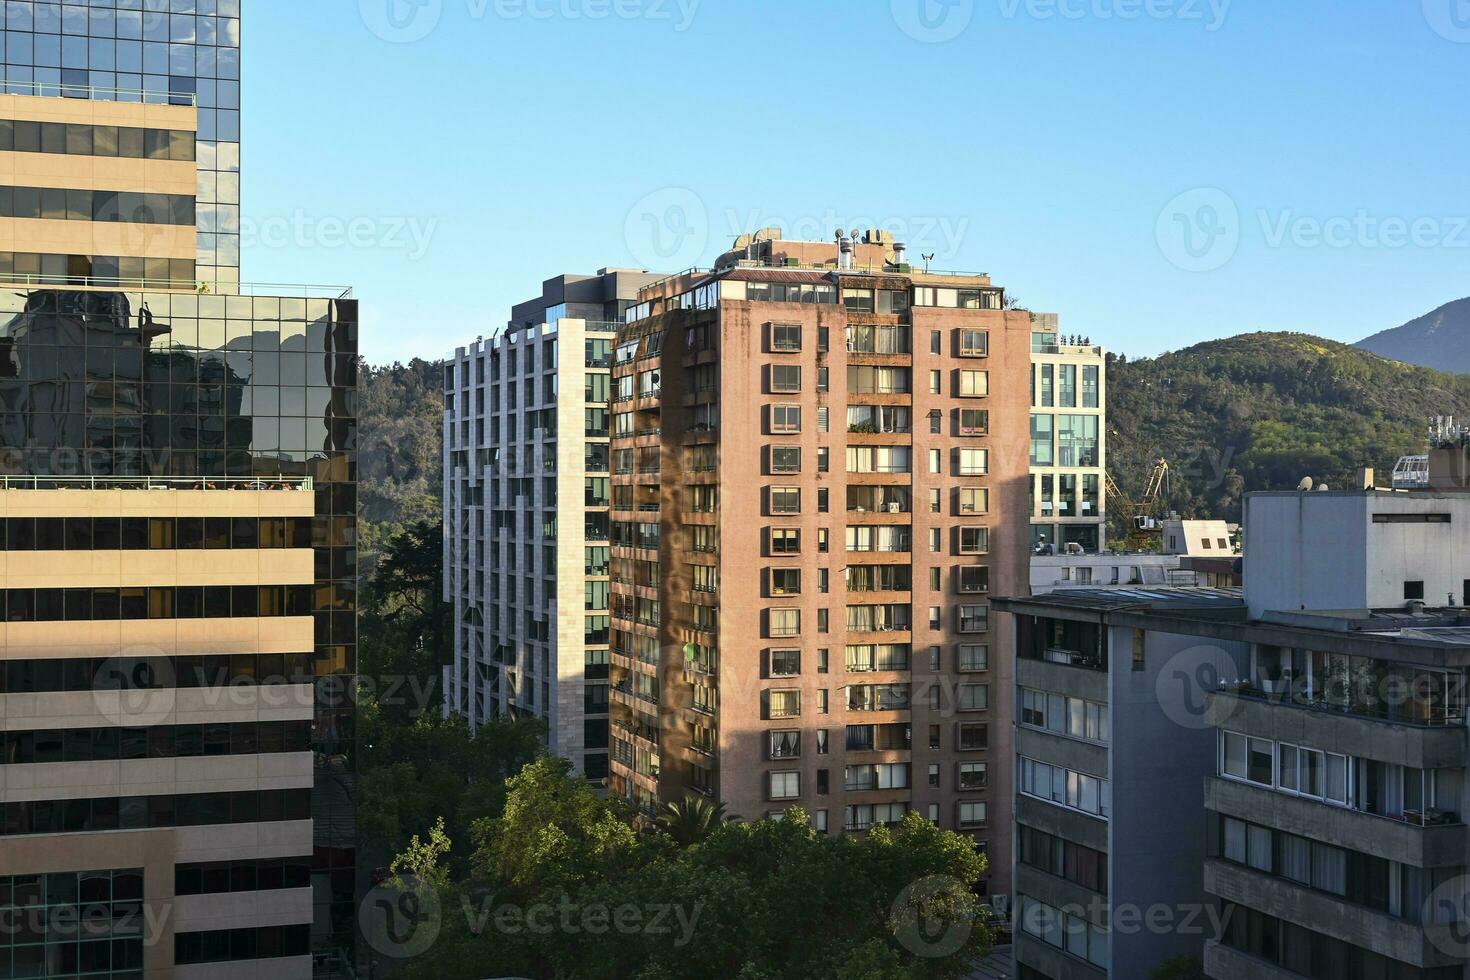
[[154, 483]]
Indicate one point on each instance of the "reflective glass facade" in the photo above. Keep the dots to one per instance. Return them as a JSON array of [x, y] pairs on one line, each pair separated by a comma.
[[181, 51]]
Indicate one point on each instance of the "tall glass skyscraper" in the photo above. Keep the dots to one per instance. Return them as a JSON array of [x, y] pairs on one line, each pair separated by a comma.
[[183, 52]]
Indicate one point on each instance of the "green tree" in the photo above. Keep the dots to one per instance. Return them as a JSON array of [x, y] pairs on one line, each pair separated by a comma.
[[691, 820]]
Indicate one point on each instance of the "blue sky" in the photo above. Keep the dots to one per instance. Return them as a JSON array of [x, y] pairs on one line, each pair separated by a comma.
[[1159, 172]]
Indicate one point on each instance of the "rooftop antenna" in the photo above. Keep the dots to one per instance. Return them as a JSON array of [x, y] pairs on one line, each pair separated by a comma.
[[927, 257]]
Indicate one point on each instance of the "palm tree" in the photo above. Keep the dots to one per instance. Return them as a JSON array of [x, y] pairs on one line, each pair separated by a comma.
[[692, 819]]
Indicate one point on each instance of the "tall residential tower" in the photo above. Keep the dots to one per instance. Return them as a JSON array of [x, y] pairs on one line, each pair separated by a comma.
[[525, 514], [819, 475]]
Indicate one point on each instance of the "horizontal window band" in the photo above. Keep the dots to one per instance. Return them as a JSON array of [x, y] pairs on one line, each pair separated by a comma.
[[157, 602], [154, 533], [260, 874], [81, 139], [106, 207], [112, 744], [150, 812], [85, 674]]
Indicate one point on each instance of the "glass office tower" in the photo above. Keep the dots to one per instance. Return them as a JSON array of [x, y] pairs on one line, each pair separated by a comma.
[[179, 52]]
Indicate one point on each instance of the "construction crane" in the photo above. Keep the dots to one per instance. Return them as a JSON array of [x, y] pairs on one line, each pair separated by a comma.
[[1141, 516]]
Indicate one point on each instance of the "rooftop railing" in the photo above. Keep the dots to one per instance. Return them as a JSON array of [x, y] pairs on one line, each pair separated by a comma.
[[156, 483], [105, 93]]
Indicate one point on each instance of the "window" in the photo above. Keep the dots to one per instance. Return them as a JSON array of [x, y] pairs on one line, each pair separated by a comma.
[[935, 462], [785, 500], [974, 697], [785, 378], [974, 540], [974, 343], [973, 735], [934, 774], [824, 417], [785, 663], [784, 744], [1413, 590], [785, 419], [974, 421], [972, 813], [783, 704], [974, 619], [785, 336], [936, 342], [785, 622], [973, 579], [972, 657], [785, 581], [858, 300], [936, 540], [705, 578], [936, 384], [974, 462], [974, 500], [784, 540], [973, 775], [1139, 637], [785, 785], [1246, 758], [786, 459], [974, 384]]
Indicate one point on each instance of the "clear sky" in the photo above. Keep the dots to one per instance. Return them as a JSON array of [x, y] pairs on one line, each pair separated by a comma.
[[1159, 172]]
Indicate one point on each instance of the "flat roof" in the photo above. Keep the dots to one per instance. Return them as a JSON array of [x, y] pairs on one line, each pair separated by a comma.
[[1131, 597]]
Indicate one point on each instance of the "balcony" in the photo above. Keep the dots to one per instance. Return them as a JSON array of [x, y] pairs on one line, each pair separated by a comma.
[[1434, 846], [1328, 914], [1278, 717]]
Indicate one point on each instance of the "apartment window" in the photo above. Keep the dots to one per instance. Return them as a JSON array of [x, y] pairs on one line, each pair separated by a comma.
[[972, 735], [785, 663], [823, 705], [934, 659], [702, 538], [972, 657], [785, 581], [974, 500], [822, 661], [935, 618], [1251, 759], [934, 737], [934, 774], [934, 500], [785, 378], [973, 775], [974, 384], [824, 341], [973, 579], [936, 464], [935, 385], [822, 583], [822, 747], [974, 343], [973, 619], [823, 498], [822, 539], [785, 785], [819, 821], [823, 782], [936, 422], [973, 697], [934, 585], [974, 462], [972, 814], [936, 540], [785, 419], [705, 578], [974, 540], [785, 744], [785, 336], [974, 421], [823, 620], [783, 704], [785, 500], [785, 622], [784, 540], [936, 342], [858, 300], [824, 459], [785, 459], [824, 418]]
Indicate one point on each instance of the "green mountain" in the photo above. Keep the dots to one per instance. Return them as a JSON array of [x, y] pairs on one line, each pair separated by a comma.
[[1439, 339], [1260, 411]]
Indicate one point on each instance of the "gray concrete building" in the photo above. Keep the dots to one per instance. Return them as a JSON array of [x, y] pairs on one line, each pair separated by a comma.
[[526, 496], [1315, 763]]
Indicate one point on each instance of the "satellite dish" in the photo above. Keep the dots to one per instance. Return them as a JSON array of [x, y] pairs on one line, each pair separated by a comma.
[[1305, 484]]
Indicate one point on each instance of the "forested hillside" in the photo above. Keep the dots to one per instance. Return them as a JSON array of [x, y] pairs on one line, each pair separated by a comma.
[[1260, 411]]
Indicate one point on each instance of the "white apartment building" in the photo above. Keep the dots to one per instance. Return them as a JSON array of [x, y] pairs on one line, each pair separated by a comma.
[[1068, 441], [526, 514]]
